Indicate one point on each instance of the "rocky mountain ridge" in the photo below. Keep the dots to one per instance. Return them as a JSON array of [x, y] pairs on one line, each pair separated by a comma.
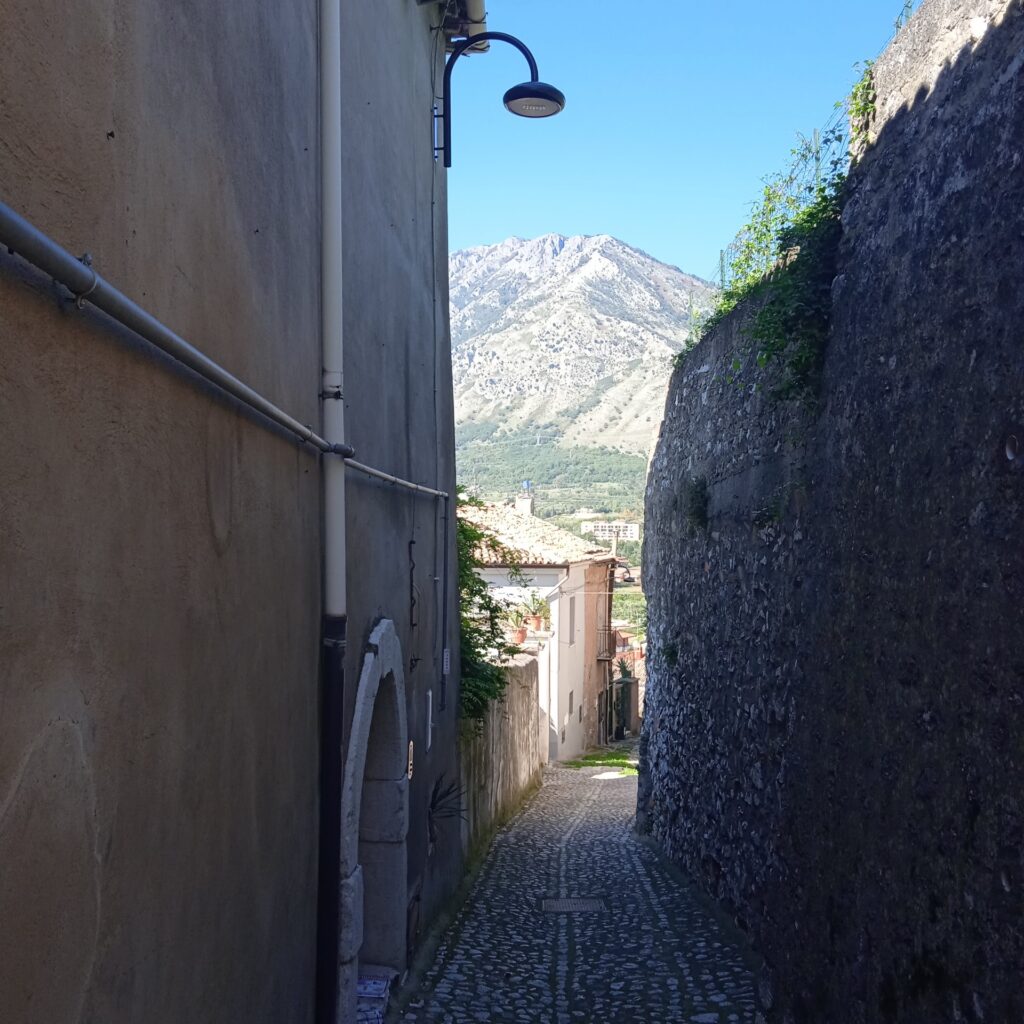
[[568, 338]]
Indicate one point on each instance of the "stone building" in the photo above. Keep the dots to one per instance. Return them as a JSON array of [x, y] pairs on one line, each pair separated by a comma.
[[219, 642]]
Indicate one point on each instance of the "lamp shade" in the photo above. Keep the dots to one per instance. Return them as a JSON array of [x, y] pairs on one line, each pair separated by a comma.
[[534, 99]]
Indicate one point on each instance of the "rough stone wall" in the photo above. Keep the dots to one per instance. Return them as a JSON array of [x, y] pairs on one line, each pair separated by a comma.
[[501, 761], [834, 729]]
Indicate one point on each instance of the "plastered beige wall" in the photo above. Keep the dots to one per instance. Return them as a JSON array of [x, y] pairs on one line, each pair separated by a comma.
[[501, 759], [159, 549], [398, 399]]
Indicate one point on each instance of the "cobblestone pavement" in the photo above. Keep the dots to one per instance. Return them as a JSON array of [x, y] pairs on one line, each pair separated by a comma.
[[655, 953]]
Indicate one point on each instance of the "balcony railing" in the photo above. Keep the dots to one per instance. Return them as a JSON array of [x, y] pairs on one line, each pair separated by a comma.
[[605, 644]]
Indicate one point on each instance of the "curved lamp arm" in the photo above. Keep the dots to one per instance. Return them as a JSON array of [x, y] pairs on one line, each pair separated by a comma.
[[457, 51]]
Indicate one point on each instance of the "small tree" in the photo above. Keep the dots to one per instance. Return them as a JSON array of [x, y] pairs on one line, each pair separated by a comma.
[[482, 645]]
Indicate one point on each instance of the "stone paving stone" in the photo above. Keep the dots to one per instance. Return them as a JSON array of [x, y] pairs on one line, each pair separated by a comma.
[[655, 954]]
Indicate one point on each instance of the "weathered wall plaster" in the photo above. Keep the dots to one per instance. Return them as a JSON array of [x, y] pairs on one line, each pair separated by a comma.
[[398, 398], [159, 551], [501, 760], [834, 730]]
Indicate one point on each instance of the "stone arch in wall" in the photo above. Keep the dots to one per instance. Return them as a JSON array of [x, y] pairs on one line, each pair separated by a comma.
[[375, 818]]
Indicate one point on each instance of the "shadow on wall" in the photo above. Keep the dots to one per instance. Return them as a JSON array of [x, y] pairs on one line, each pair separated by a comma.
[[374, 825], [57, 824], [500, 757], [862, 813]]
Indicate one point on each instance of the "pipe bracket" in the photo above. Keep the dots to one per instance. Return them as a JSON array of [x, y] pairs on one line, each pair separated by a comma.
[[86, 260]]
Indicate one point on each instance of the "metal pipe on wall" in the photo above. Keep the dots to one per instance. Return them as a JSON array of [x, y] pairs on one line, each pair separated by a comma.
[[396, 480], [32, 245], [332, 324], [23, 238], [335, 1002]]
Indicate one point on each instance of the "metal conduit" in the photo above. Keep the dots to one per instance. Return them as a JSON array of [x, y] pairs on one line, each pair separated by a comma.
[[407, 484], [445, 496], [23, 238], [86, 285]]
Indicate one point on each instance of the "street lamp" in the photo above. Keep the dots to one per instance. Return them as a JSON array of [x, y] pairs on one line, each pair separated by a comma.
[[529, 99]]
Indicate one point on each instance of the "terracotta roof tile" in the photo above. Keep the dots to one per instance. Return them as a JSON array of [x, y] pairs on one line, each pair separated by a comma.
[[535, 542]]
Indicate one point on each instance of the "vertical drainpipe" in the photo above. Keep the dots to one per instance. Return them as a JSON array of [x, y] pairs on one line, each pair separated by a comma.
[[331, 306], [609, 674], [334, 563]]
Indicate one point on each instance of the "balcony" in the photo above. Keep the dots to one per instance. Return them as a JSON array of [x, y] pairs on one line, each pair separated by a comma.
[[605, 644]]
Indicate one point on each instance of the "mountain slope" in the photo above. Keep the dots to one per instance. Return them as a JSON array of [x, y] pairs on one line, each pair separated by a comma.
[[567, 338]]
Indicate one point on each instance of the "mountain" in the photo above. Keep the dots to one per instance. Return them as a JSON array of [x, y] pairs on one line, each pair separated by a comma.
[[567, 339]]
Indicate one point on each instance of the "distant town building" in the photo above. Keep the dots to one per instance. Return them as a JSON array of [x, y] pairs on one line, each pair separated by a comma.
[[617, 530], [524, 504], [574, 577]]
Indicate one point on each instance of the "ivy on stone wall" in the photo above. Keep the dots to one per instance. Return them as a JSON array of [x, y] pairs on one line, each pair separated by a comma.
[[791, 326], [786, 259], [861, 108], [783, 260]]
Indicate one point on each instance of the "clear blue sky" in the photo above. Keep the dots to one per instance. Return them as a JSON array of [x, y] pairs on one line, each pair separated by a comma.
[[675, 112]]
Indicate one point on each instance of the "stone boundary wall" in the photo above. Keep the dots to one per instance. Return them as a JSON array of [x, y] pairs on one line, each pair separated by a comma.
[[834, 732], [501, 761]]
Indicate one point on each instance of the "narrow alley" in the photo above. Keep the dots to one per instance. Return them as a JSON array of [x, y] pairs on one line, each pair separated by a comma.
[[413, 409], [627, 939]]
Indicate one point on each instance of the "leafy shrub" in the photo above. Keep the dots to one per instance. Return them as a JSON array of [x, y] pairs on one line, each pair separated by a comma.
[[482, 643], [792, 324], [786, 254]]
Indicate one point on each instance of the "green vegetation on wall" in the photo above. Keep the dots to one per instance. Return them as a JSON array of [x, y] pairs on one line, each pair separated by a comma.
[[792, 323], [861, 106], [783, 259], [786, 257], [481, 618]]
